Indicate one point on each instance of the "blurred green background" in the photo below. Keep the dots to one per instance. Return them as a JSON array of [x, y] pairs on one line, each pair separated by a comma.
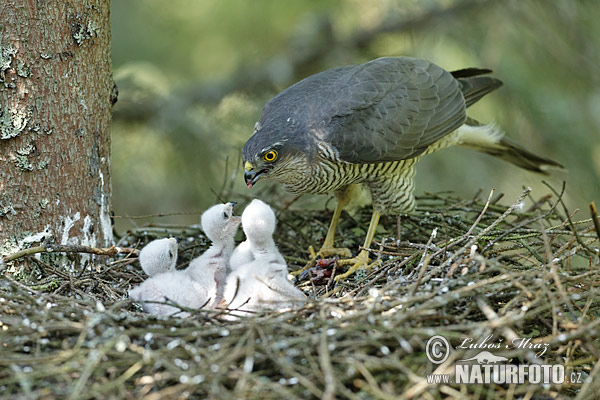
[[193, 77]]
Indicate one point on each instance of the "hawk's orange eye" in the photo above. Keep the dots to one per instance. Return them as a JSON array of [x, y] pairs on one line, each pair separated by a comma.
[[270, 156]]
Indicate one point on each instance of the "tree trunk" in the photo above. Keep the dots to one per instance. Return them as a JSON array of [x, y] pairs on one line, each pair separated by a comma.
[[56, 94]]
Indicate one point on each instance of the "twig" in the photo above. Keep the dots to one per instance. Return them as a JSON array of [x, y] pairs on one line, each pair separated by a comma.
[[425, 258], [581, 243], [59, 248], [471, 241], [326, 367], [519, 226], [169, 214], [507, 332], [485, 207]]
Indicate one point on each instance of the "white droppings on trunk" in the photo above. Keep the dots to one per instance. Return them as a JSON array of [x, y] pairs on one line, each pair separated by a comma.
[[35, 238], [68, 224], [9, 247], [88, 238], [105, 222]]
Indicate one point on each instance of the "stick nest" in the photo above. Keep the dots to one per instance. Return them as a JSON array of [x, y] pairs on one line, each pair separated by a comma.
[[525, 271]]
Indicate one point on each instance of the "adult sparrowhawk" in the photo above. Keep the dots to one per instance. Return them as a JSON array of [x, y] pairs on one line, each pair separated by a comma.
[[369, 124]]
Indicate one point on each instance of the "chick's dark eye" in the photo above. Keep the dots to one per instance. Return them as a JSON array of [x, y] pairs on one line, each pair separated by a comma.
[[225, 216], [170, 254], [270, 156]]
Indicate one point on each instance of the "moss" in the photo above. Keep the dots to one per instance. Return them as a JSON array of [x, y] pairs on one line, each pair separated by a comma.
[[48, 286]]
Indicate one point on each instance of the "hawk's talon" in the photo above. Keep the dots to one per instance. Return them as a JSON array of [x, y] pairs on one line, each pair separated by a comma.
[[329, 251], [311, 251], [359, 262]]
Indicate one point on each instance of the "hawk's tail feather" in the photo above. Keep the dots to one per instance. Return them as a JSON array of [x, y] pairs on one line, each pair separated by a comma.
[[489, 139], [468, 72], [475, 87]]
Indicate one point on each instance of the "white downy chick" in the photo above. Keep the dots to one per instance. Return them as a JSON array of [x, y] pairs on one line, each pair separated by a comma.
[[158, 256], [196, 286], [211, 268], [169, 287], [260, 283], [258, 223]]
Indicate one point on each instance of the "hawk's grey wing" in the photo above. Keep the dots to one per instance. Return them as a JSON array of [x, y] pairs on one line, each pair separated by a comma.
[[391, 109]]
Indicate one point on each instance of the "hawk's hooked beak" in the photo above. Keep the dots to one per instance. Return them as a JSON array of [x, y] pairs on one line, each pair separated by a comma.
[[250, 175]]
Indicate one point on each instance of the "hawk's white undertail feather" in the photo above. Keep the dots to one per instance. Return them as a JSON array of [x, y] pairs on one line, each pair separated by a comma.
[[481, 135]]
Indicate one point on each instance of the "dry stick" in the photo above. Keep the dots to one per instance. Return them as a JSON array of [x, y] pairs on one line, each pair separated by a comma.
[[287, 366], [585, 246], [497, 198], [22, 286], [240, 386], [471, 241], [359, 291], [425, 258], [453, 393], [586, 308], [327, 368], [372, 385], [550, 258], [158, 215], [56, 248], [521, 224], [590, 385], [485, 207], [421, 274], [507, 332], [125, 376]]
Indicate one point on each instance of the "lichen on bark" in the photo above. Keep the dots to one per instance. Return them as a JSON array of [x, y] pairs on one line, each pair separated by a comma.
[[55, 113]]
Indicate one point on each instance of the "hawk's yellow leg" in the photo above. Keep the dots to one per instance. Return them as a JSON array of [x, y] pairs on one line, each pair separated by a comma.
[[362, 260], [328, 249]]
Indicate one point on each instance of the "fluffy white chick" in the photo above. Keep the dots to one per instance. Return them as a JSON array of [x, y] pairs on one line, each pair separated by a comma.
[[211, 268], [258, 223], [158, 256], [170, 287], [195, 286], [261, 282]]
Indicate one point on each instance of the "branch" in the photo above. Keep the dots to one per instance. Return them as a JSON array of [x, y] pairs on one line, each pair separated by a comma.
[[577, 238], [104, 251]]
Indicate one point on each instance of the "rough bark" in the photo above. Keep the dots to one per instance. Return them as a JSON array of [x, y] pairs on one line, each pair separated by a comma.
[[56, 94]]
